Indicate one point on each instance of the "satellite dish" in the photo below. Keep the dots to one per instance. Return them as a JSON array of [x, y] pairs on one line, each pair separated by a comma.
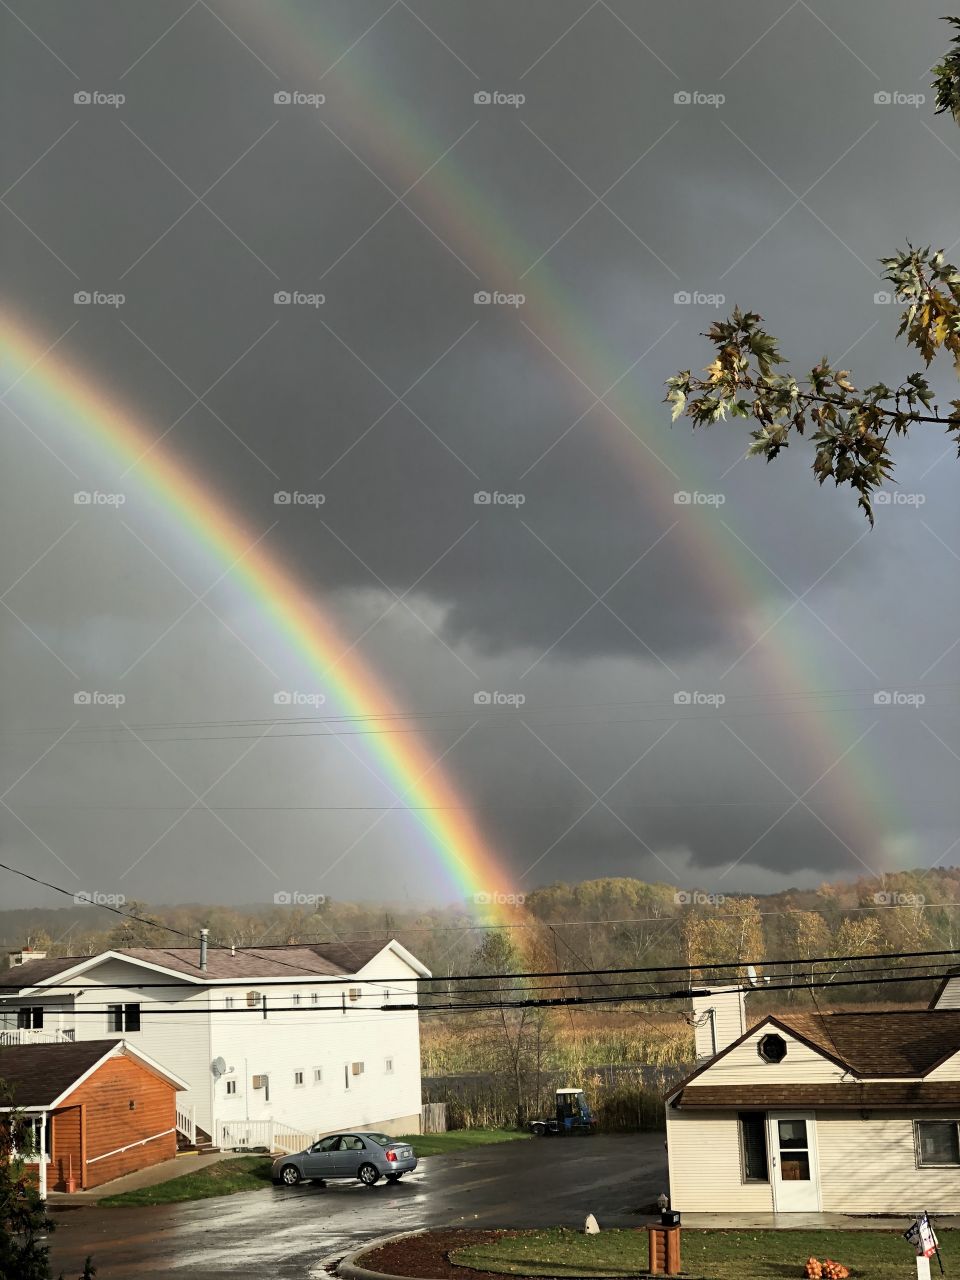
[[218, 1067]]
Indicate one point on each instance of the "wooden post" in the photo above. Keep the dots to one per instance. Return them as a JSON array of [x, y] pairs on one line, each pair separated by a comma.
[[664, 1250]]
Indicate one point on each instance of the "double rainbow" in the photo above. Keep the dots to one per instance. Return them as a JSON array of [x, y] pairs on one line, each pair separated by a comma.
[[45, 385]]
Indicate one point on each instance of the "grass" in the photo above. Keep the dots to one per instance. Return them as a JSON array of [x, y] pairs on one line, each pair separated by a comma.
[[714, 1255], [439, 1144], [225, 1178]]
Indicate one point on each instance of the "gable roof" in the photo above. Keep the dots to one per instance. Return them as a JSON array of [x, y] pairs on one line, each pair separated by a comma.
[[256, 964], [951, 973], [906, 1044], [40, 1075]]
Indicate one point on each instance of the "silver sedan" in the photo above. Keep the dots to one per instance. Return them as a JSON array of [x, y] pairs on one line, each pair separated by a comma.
[[365, 1156]]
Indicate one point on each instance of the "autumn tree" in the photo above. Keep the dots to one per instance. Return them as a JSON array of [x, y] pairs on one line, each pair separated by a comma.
[[851, 429]]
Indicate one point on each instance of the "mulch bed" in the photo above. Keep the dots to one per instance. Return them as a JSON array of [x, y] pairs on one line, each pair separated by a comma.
[[429, 1255]]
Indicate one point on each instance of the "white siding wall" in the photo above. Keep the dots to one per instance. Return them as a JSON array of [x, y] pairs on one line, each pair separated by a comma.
[[706, 1174], [720, 1018], [329, 1039], [179, 1039], [303, 1039], [744, 1065], [866, 1166], [951, 995], [870, 1166]]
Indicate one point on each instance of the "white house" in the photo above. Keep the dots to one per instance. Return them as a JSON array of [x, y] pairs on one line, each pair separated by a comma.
[[297, 1037], [840, 1112]]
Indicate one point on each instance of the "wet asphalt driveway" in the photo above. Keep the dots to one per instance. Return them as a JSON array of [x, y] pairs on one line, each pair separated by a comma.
[[292, 1233]]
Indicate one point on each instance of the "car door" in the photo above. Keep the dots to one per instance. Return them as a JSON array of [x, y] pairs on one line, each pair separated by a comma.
[[320, 1160], [352, 1154]]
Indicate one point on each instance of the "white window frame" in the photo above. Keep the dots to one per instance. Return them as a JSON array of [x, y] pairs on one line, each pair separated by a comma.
[[298, 1079], [318, 1075], [930, 1164], [388, 1066], [231, 1088]]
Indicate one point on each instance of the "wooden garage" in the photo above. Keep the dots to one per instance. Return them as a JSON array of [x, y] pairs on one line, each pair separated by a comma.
[[100, 1108]]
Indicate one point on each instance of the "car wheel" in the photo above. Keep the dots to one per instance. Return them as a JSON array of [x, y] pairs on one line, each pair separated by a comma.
[[289, 1175], [368, 1174], [539, 1130]]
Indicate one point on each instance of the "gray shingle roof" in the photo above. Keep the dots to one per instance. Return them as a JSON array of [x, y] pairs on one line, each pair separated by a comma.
[[37, 1074], [318, 959]]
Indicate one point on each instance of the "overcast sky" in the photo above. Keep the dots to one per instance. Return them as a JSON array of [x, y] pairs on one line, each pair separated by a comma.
[[632, 155]]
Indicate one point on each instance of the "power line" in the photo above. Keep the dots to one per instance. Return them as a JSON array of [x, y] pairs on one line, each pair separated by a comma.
[[482, 710], [555, 1002]]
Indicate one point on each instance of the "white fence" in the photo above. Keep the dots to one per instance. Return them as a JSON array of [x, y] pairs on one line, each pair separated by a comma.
[[24, 1035], [186, 1123], [261, 1133]]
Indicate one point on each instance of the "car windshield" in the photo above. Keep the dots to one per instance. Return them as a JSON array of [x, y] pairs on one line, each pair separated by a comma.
[[381, 1139]]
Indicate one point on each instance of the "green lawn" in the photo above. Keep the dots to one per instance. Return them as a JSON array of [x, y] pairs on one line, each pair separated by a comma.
[[438, 1144], [713, 1255], [225, 1178]]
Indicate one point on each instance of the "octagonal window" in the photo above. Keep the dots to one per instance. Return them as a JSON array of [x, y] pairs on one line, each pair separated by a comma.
[[772, 1048]]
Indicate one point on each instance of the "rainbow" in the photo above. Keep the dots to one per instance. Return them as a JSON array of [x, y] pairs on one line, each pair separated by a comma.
[[398, 143], [46, 384]]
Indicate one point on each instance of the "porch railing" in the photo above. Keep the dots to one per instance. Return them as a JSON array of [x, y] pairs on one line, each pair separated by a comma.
[[261, 1133], [25, 1035], [186, 1123]]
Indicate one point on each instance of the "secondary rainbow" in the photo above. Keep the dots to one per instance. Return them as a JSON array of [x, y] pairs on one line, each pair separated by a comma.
[[403, 147], [47, 383]]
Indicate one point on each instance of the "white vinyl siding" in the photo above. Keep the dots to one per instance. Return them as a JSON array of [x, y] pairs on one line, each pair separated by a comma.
[[743, 1065], [706, 1165], [870, 1166], [951, 995]]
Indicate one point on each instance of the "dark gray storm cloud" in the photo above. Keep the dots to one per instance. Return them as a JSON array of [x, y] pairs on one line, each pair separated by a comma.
[[594, 590]]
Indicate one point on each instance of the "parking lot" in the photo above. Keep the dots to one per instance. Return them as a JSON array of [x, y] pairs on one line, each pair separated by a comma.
[[290, 1233]]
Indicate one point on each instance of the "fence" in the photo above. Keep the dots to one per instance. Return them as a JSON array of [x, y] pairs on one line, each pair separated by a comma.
[[261, 1133], [433, 1117], [186, 1124], [23, 1035]]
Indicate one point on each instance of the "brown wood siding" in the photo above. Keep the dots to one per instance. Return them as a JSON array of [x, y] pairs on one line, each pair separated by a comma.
[[111, 1123]]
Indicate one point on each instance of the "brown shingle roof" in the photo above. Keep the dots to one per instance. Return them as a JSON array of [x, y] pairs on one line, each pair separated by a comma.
[[37, 1074], [337, 959], [904, 1043], [870, 1094]]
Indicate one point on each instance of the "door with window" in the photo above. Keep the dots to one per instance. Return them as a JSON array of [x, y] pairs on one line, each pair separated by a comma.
[[793, 1162]]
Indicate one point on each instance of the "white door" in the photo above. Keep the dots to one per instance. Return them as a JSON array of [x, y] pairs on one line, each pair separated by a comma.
[[793, 1161]]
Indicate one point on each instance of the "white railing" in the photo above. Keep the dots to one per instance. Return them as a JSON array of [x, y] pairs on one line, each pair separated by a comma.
[[260, 1133], [25, 1035], [186, 1123]]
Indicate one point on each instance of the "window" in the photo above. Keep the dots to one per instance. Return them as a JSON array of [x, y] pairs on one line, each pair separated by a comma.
[[253, 999], [938, 1142], [228, 1003], [231, 1088], [753, 1146], [123, 1017], [298, 1079], [354, 994], [318, 1075], [31, 1018], [351, 1069], [388, 1066], [356, 1068], [296, 998], [772, 1048], [314, 997]]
